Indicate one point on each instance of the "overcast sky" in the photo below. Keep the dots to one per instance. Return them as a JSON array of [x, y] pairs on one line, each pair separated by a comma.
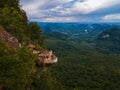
[[72, 10]]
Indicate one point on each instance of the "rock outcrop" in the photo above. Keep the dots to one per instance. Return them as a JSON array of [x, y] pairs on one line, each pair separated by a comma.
[[10, 39], [45, 58]]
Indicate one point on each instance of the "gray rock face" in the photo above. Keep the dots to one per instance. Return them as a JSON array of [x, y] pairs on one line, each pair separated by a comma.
[[10, 39], [45, 58]]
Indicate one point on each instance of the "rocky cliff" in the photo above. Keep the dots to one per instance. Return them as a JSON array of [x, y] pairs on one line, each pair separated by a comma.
[[44, 57], [10, 39]]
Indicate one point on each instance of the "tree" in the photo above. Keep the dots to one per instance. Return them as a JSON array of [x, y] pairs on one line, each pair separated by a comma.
[[35, 33], [10, 3], [16, 70], [14, 22]]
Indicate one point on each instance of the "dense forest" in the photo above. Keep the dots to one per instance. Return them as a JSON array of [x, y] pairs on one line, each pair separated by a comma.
[[87, 63], [93, 65]]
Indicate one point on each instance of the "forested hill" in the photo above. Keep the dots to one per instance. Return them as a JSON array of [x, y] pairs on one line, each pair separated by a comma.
[[109, 41], [20, 43]]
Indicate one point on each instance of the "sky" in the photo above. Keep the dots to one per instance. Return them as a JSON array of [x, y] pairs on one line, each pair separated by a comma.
[[72, 10]]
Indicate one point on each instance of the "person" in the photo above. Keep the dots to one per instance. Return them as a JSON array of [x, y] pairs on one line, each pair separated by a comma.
[[50, 53]]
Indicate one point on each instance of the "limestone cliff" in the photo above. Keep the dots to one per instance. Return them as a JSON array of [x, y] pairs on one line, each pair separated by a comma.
[[10, 39], [44, 57]]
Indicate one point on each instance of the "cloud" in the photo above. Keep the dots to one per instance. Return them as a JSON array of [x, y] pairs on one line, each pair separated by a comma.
[[59, 10], [112, 17], [89, 6], [59, 19], [35, 7]]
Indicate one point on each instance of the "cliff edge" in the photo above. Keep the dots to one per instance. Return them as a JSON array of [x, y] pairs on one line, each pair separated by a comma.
[[44, 57]]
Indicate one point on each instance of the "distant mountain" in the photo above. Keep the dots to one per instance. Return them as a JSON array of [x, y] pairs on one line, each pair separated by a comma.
[[106, 36], [75, 28], [109, 41], [112, 35], [76, 32]]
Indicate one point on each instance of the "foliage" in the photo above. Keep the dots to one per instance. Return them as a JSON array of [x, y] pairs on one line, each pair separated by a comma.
[[35, 33], [16, 69], [10, 3], [45, 81], [13, 21], [82, 67]]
